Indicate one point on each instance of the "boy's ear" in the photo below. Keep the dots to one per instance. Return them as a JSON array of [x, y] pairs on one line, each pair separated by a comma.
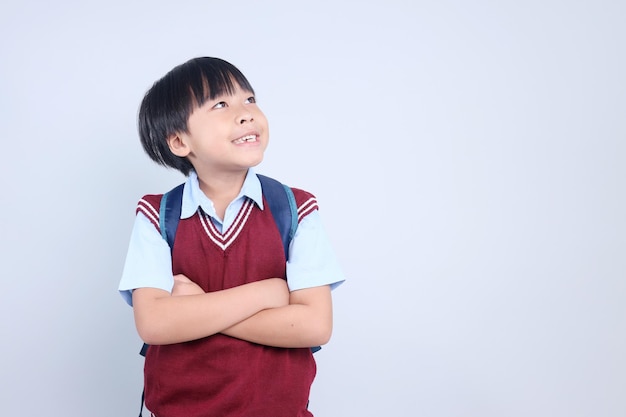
[[178, 145]]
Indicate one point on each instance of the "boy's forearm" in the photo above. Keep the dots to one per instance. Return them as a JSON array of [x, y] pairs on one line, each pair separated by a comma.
[[305, 322], [164, 319]]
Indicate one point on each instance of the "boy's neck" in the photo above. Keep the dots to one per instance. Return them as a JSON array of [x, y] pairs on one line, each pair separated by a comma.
[[221, 189]]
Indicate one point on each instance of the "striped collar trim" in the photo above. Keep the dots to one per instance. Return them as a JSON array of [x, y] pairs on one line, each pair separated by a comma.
[[225, 240]]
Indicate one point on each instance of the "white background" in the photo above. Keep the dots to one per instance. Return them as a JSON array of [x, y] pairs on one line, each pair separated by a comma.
[[470, 163]]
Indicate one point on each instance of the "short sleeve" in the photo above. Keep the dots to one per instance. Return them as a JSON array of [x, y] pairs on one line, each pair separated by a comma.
[[312, 262], [148, 260]]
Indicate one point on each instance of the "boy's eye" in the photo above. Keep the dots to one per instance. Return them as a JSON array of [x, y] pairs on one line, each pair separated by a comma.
[[220, 105], [251, 100]]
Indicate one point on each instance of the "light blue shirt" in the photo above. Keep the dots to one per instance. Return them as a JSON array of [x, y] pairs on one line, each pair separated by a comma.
[[312, 262]]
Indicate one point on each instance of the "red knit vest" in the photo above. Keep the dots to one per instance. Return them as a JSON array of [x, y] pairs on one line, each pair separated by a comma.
[[220, 375]]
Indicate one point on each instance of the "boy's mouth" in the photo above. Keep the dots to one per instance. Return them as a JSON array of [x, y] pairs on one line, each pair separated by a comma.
[[244, 139]]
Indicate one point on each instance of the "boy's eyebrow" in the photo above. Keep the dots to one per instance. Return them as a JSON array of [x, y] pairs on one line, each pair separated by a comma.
[[227, 94]]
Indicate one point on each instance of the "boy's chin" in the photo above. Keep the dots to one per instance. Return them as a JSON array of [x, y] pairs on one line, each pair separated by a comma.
[[254, 162]]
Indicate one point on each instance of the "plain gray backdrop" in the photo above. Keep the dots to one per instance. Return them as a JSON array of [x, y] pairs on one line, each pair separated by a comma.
[[470, 163]]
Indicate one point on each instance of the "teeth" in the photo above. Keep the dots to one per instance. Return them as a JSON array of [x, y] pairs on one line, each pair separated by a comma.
[[249, 138]]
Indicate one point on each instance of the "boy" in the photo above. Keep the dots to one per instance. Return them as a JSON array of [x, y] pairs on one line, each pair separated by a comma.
[[229, 321]]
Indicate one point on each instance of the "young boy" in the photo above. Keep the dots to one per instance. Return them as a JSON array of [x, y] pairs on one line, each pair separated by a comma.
[[229, 320]]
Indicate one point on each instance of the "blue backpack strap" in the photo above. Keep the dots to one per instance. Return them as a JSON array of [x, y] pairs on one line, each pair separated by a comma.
[[169, 213], [282, 204]]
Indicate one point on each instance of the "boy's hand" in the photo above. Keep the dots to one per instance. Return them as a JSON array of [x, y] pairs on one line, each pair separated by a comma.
[[185, 286]]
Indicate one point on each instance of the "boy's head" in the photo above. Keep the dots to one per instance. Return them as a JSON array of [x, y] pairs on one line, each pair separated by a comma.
[[166, 107]]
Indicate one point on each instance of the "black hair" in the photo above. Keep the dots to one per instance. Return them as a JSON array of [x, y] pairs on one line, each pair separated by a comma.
[[167, 105]]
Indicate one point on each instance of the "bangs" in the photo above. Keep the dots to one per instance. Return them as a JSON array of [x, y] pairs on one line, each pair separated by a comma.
[[212, 78]]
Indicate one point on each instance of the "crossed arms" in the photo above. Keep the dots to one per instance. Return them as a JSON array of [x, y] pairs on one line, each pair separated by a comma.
[[263, 312]]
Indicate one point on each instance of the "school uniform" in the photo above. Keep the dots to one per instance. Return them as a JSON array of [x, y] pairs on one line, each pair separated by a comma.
[[221, 375]]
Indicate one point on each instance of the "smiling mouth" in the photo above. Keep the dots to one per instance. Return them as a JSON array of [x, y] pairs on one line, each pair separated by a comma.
[[248, 138]]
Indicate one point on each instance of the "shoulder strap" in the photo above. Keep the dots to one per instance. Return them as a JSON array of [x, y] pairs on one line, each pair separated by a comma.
[[282, 204], [169, 213]]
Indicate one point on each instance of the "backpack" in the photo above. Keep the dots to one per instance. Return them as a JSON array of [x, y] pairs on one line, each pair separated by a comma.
[[280, 200]]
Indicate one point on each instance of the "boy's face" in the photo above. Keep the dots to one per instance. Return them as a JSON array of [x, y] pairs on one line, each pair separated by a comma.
[[225, 135]]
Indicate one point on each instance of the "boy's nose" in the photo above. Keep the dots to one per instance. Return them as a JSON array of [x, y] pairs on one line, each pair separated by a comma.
[[245, 117]]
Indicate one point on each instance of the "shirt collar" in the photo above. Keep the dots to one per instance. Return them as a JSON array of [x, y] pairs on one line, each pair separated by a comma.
[[194, 197]]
